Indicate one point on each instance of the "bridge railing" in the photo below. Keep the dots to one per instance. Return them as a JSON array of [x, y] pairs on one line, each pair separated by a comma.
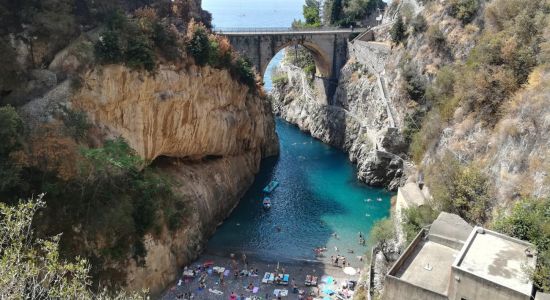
[[281, 29]]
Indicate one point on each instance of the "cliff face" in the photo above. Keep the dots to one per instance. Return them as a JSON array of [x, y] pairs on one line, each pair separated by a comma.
[[213, 188], [218, 131], [359, 119], [190, 114]]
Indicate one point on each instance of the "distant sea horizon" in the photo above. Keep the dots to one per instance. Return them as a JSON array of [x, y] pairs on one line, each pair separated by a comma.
[[255, 13]]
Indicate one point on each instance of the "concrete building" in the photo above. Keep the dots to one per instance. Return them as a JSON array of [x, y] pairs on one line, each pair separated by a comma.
[[453, 261]]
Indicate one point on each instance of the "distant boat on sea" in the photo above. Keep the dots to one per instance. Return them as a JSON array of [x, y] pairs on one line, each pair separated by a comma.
[[271, 186]]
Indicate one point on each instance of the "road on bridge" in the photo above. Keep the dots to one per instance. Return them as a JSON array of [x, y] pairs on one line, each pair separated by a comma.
[[285, 31]]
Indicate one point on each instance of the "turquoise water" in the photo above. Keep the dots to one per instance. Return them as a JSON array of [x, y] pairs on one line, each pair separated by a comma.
[[318, 195]]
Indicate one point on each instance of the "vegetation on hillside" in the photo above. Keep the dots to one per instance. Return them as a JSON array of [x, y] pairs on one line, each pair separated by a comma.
[[506, 52], [103, 191], [302, 58], [510, 46], [530, 221], [349, 12], [31, 267], [312, 15]]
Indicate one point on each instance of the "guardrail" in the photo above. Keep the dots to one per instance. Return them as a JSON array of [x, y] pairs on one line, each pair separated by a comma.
[[284, 29]]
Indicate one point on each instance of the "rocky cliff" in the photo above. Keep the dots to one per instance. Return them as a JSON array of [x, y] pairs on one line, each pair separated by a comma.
[[218, 131], [193, 114], [359, 119]]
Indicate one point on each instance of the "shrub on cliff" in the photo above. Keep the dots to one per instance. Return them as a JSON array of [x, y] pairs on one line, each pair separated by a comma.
[[530, 220], [398, 30], [242, 68], [417, 218], [279, 80], [199, 46], [166, 40], [31, 268], [460, 189], [464, 10], [419, 24], [436, 38], [11, 131], [414, 84], [139, 53], [108, 49], [382, 231]]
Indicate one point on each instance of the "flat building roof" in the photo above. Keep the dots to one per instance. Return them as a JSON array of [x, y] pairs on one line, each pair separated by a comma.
[[429, 266], [497, 258]]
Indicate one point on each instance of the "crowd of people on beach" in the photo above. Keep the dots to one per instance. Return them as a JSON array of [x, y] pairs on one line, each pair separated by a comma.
[[241, 271]]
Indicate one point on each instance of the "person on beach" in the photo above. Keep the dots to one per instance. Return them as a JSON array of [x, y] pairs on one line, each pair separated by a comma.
[[244, 259], [233, 296], [250, 287]]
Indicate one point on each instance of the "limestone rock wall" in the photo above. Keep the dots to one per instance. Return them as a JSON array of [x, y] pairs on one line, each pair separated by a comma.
[[215, 133], [192, 113], [358, 119], [213, 188]]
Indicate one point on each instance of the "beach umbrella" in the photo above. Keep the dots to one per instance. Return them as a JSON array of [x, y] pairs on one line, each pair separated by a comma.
[[350, 271]]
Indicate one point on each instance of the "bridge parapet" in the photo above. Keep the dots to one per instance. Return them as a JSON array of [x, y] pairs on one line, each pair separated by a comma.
[[260, 30], [327, 45]]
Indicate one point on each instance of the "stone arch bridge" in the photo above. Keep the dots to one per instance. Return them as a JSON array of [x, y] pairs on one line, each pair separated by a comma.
[[260, 45]]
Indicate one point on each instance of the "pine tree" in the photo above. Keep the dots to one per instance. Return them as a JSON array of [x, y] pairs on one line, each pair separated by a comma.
[[397, 31]]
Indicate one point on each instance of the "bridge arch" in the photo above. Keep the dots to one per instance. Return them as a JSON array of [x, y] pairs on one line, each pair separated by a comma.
[[321, 58], [328, 46]]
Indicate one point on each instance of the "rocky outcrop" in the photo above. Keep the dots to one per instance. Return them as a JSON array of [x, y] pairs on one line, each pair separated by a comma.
[[213, 125], [359, 119], [193, 114], [212, 189]]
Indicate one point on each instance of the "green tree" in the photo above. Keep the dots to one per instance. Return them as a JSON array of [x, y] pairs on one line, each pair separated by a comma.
[[460, 189], [398, 30], [31, 268], [199, 46], [530, 220], [381, 232], [244, 72], [357, 10], [336, 11], [139, 53], [108, 49], [464, 10], [312, 12]]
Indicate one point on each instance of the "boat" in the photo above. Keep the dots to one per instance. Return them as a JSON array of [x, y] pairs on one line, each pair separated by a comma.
[[267, 203], [271, 186]]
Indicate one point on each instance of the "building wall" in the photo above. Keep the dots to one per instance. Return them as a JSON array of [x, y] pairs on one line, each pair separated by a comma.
[[397, 289], [471, 287]]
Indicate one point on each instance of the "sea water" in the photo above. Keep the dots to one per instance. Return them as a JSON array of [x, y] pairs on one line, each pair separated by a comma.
[[255, 14], [319, 202]]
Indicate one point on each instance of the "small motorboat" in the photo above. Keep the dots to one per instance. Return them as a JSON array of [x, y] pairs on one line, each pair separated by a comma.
[[379, 199], [267, 203], [271, 186]]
